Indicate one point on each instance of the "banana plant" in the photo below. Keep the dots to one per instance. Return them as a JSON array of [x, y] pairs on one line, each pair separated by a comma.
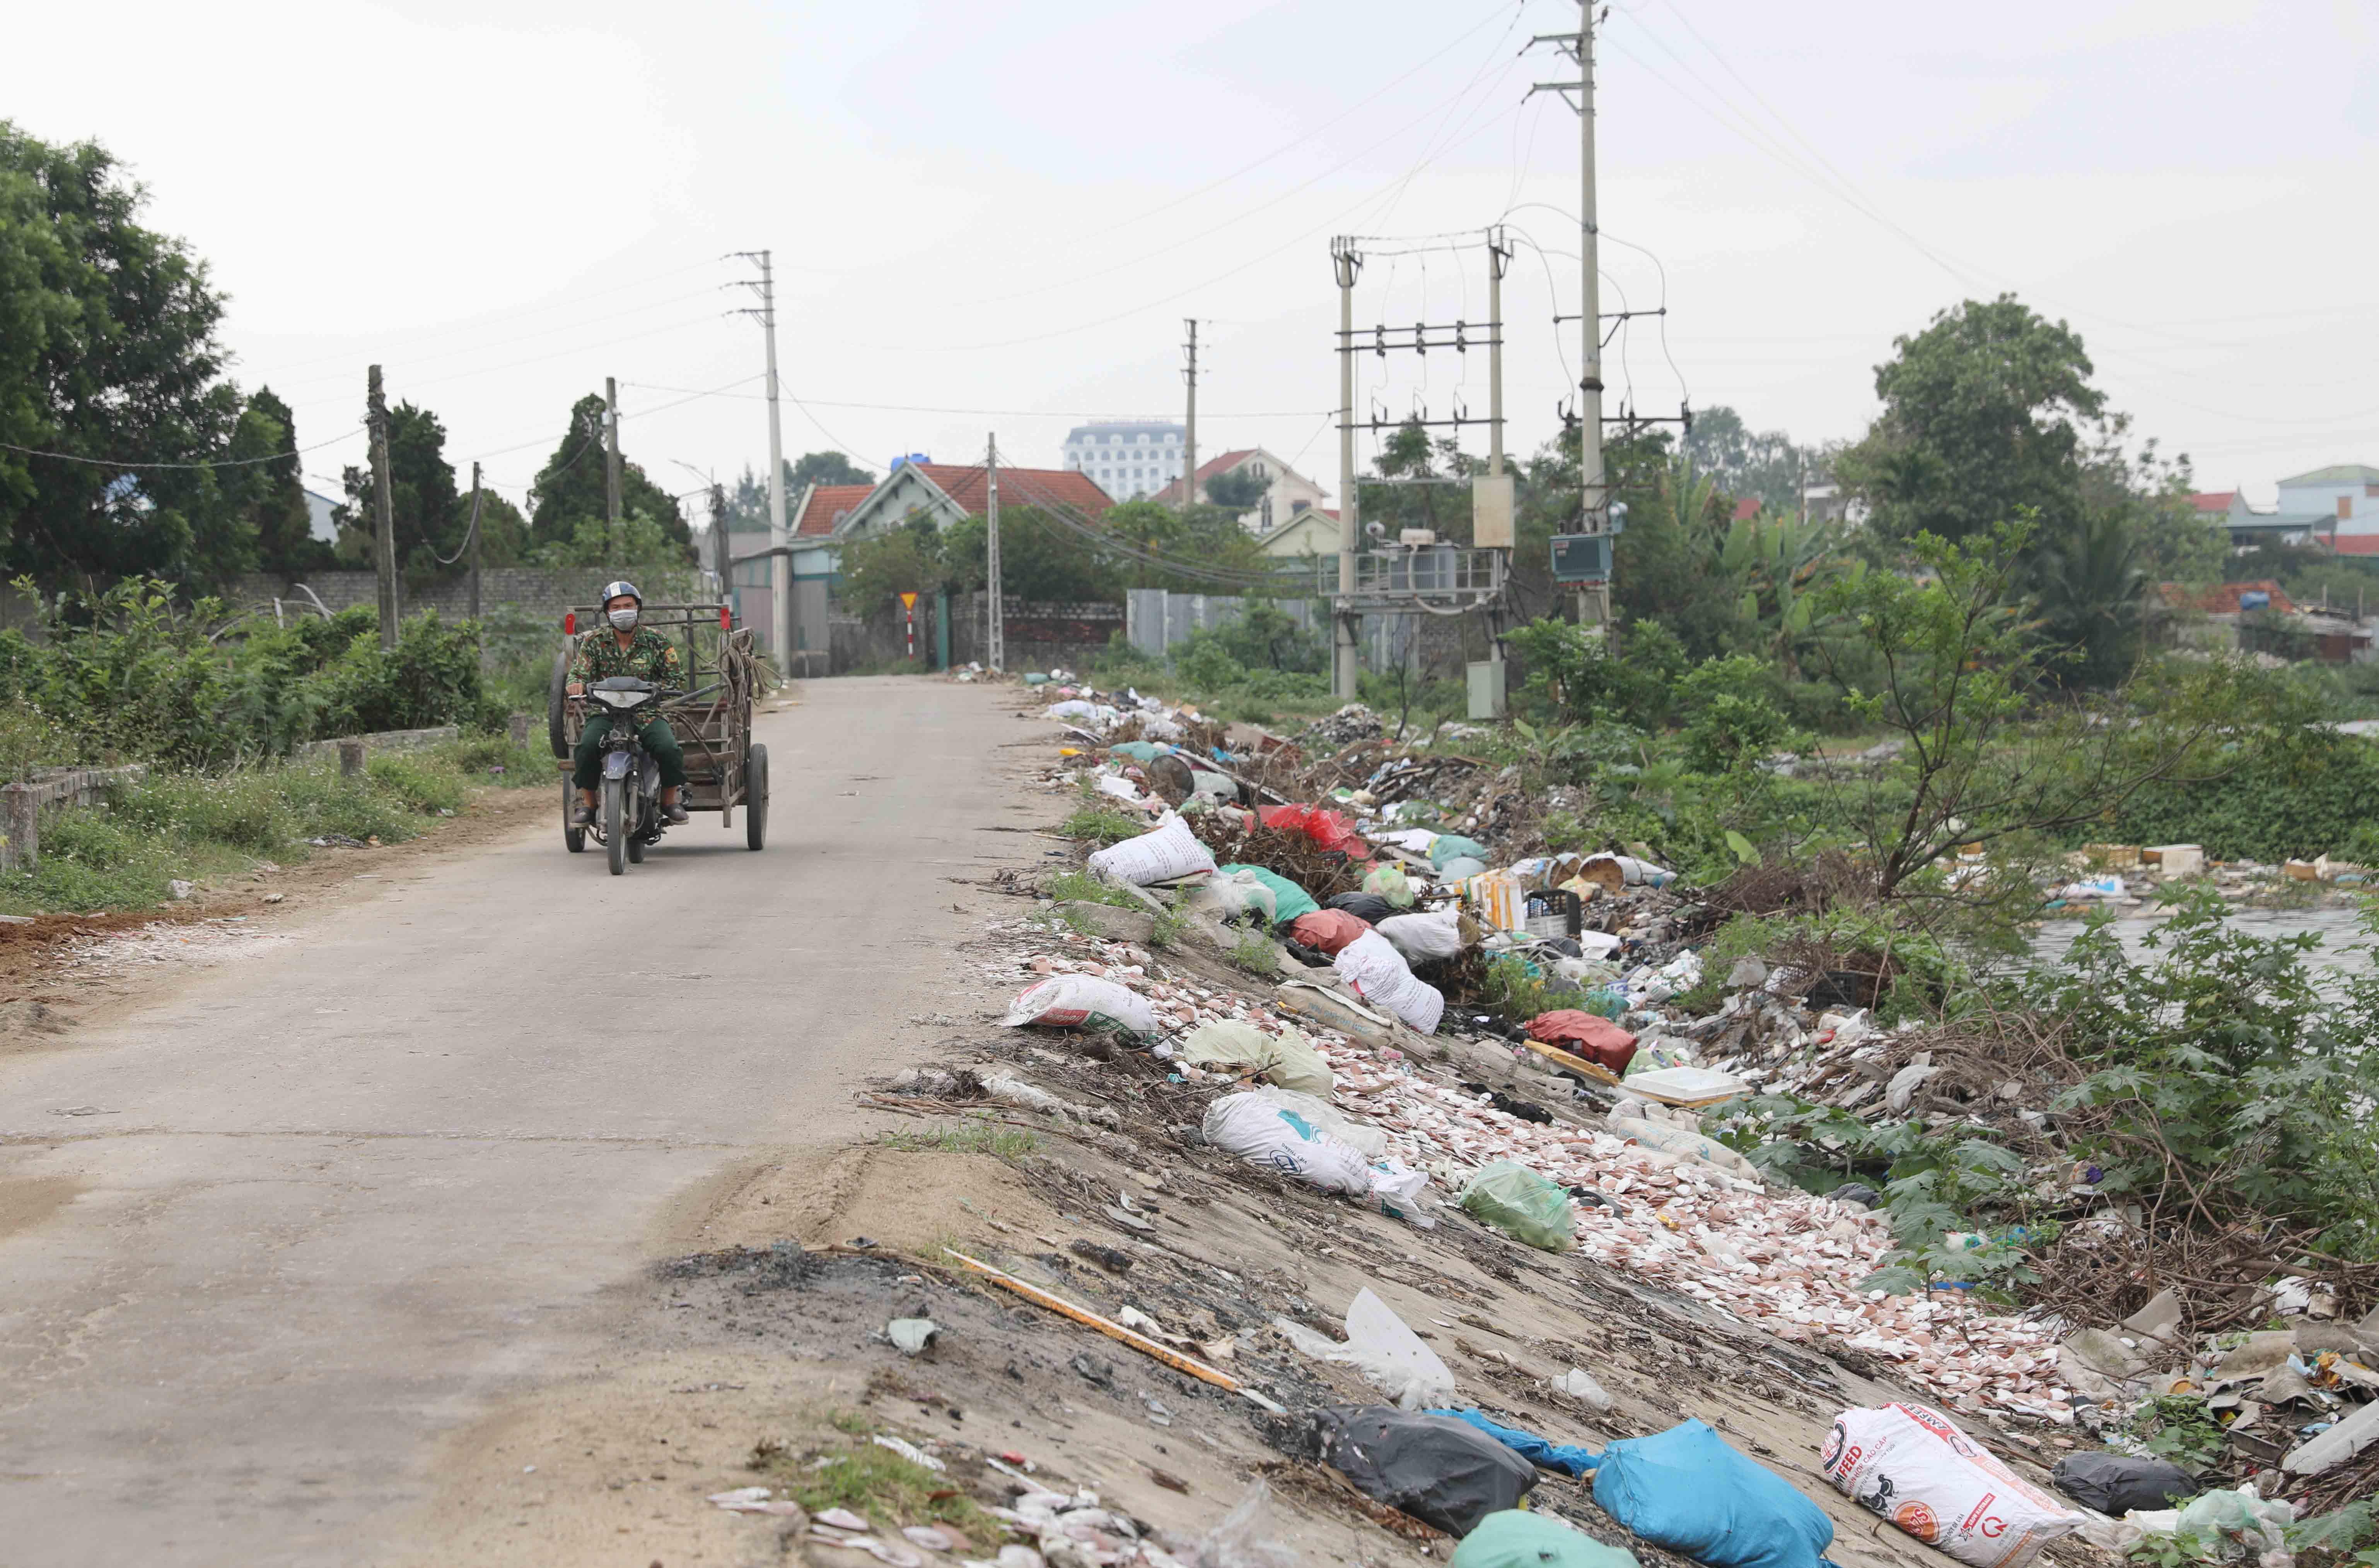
[[1781, 562]]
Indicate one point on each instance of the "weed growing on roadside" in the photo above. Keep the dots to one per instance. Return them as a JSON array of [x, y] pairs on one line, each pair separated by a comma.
[[1172, 925], [1512, 991], [1081, 887], [870, 1480], [1101, 826], [969, 1137], [1255, 955]]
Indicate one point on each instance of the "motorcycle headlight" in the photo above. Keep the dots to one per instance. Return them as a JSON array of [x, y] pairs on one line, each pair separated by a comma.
[[620, 699]]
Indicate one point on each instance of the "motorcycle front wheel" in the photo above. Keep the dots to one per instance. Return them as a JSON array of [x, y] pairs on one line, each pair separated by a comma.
[[615, 829]]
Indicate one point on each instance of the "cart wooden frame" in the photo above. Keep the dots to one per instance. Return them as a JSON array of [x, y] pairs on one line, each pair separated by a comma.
[[712, 722]]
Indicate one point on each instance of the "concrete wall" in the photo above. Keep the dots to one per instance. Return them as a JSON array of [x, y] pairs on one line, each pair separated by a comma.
[[1157, 619], [542, 591], [1037, 635]]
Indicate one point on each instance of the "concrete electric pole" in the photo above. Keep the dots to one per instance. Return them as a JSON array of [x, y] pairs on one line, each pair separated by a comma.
[[475, 541], [383, 508], [1595, 492], [995, 611], [612, 462], [1346, 667], [1189, 441], [780, 561]]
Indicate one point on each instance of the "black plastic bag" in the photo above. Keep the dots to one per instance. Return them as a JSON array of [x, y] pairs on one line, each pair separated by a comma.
[[2117, 1483], [1441, 1471], [1369, 908]]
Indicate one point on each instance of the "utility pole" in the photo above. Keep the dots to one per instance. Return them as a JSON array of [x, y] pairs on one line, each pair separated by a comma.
[[780, 561], [1345, 666], [1190, 441], [1593, 599], [1499, 256], [718, 539], [475, 541], [1594, 491], [996, 642], [384, 525], [612, 461]]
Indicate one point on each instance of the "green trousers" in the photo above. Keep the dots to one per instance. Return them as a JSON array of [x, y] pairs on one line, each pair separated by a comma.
[[586, 770]]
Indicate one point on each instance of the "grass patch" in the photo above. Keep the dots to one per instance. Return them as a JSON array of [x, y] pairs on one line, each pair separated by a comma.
[[1254, 954], [873, 1481], [1101, 826], [191, 826], [1172, 925], [968, 1137], [1081, 887]]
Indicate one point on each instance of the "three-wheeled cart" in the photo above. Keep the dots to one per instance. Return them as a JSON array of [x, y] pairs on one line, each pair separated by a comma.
[[712, 722]]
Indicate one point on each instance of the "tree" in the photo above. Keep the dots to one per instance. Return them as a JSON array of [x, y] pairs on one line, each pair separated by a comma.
[[1239, 490], [1766, 466], [108, 354], [276, 506], [1990, 753], [569, 490], [820, 468], [1985, 418], [877, 569], [428, 516]]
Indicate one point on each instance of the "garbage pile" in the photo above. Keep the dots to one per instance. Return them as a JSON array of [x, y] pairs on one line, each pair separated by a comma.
[[1398, 921]]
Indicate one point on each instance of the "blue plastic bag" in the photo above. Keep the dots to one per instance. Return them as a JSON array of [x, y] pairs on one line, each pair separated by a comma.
[[1685, 1489], [1569, 1458]]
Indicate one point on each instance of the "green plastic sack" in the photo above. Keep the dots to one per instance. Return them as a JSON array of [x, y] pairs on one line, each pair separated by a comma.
[[1516, 1538], [1390, 882], [1289, 899], [1287, 1060], [1522, 1204], [1454, 847], [1140, 751]]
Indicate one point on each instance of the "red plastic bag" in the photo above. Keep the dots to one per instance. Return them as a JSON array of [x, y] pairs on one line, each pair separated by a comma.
[[1584, 1034], [1326, 931], [1332, 831]]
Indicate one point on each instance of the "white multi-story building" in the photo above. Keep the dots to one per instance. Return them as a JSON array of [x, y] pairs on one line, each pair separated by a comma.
[[1126, 457]]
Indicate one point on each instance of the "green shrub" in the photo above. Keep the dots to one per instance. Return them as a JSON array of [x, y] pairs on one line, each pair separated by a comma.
[[1207, 664], [245, 809], [417, 782]]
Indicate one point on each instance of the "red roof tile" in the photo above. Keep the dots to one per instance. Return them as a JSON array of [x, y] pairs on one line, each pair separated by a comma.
[[1018, 486], [2212, 500], [1747, 508], [828, 503], [1171, 494]]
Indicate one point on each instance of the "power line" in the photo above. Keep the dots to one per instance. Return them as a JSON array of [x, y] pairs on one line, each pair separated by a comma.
[[1005, 413], [215, 463]]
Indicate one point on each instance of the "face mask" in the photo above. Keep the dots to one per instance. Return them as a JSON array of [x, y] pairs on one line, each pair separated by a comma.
[[624, 619]]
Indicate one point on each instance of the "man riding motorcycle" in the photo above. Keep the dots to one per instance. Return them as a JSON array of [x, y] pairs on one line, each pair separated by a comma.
[[621, 647]]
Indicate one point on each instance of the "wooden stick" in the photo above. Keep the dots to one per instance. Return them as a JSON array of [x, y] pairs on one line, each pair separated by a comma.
[[1115, 1330]]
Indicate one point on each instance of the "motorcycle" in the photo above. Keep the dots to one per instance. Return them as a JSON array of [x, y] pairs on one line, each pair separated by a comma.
[[629, 820]]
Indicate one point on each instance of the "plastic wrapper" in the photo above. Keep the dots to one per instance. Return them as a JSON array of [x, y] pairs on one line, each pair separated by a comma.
[[1522, 1204]]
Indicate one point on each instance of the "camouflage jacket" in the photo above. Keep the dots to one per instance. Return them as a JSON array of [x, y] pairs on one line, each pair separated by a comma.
[[647, 657]]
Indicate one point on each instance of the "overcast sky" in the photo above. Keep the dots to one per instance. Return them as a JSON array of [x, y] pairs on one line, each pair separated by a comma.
[[994, 216]]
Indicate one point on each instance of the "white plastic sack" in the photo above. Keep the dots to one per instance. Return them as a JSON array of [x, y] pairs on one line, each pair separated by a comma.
[[1228, 895], [1262, 1133], [1168, 850], [1390, 1356], [1380, 975], [1089, 712], [1288, 1059], [1684, 1142], [1075, 1001], [1912, 1465], [1422, 937], [1366, 1139]]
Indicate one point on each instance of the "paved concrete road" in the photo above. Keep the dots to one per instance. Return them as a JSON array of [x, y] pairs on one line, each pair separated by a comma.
[[340, 1196]]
